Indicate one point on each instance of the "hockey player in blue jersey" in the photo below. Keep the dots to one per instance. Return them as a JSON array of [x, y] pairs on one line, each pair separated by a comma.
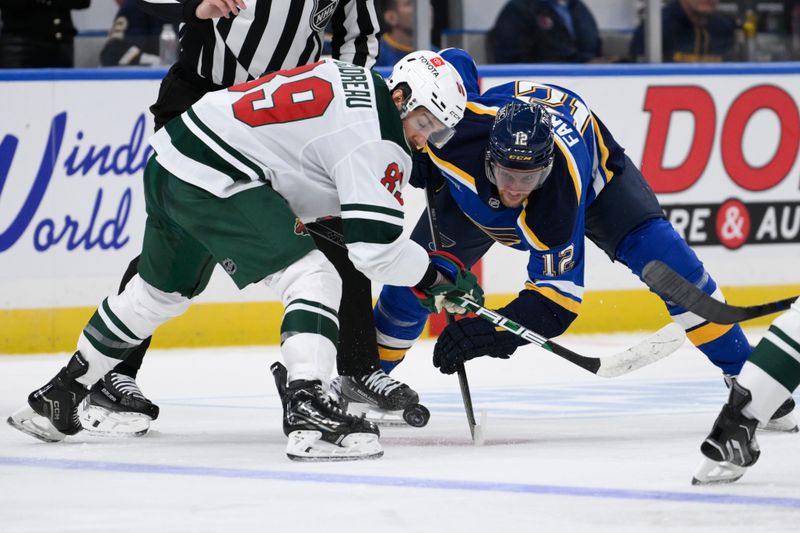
[[531, 167]]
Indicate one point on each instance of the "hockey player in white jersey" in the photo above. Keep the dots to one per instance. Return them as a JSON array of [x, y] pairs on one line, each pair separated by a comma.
[[767, 380], [231, 183]]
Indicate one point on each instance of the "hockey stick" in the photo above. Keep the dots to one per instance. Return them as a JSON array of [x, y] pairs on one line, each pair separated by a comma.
[[656, 347], [659, 345], [674, 287], [463, 383]]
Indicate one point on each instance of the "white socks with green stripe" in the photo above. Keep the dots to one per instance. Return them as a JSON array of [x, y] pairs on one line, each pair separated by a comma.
[[121, 322], [774, 366], [310, 290]]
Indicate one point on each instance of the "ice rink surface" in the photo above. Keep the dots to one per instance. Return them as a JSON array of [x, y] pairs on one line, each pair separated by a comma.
[[565, 451]]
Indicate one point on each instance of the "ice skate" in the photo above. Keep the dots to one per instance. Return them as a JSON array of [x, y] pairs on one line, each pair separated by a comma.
[[381, 399], [731, 446], [317, 428], [52, 411], [116, 407]]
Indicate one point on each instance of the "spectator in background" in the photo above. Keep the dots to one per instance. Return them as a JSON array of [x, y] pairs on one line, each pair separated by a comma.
[[397, 39], [791, 10], [545, 31], [691, 32], [133, 39], [38, 33]]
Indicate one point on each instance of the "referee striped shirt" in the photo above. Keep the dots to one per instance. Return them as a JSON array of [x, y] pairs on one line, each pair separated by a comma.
[[270, 35]]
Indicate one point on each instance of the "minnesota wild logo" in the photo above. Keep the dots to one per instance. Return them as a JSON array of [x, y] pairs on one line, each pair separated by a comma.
[[299, 227]]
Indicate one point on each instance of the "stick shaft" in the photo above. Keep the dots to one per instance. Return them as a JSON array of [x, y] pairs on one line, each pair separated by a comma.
[[463, 382]]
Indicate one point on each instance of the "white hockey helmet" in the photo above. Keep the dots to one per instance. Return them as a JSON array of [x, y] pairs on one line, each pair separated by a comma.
[[436, 86]]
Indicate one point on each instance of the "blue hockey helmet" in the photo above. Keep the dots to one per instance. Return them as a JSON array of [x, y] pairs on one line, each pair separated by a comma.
[[521, 146]]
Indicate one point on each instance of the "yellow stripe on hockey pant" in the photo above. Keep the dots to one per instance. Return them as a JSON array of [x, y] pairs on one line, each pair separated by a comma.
[[391, 354], [707, 333]]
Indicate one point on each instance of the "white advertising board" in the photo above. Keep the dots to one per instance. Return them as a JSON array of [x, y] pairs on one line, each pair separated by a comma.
[[719, 145]]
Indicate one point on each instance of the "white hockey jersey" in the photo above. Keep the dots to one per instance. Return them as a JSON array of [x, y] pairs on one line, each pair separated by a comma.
[[327, 137]]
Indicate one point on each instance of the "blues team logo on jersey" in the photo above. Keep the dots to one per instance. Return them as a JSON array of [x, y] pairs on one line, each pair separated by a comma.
[[322, 13]]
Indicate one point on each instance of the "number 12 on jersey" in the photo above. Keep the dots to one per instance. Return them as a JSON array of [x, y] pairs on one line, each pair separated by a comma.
[[565, 262]]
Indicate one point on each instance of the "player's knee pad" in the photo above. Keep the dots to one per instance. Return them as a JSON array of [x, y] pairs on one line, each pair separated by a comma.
[[657, 239], [312, 277], [310, 290]]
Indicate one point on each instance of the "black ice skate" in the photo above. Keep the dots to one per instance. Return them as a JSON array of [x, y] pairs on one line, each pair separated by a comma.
[[116, 407], [731, 447], [381, 399], [318, 429], [52, 411]]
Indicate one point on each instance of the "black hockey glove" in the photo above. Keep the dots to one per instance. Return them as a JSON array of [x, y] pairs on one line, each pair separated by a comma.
[[424, 174], [446, 275], [469, 338]]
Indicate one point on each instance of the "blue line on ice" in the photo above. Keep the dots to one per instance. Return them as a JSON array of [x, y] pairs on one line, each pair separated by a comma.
[[406, 482]]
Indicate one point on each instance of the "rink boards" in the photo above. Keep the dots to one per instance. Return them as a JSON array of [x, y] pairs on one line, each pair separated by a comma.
[[719, 144]]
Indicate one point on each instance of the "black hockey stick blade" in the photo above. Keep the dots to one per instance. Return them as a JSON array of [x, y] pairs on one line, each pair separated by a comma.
[[674, 287]]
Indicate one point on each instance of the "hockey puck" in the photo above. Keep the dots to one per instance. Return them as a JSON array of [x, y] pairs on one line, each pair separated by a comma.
[[416, 415]]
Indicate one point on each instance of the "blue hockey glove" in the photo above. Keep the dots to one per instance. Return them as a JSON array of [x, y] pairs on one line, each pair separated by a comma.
[[446, 275], [469, 338]]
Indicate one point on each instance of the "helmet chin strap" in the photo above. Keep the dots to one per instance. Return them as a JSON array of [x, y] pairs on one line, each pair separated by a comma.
[[405, 107]]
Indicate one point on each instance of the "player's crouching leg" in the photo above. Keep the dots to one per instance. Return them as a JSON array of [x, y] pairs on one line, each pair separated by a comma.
[[116, 328], [316, 427], [115, 406]]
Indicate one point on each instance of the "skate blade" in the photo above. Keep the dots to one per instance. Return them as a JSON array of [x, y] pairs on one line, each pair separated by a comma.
[[714, 473], [101, 422], [32, 423], [380, 417], [784, 424], [309, 446]]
